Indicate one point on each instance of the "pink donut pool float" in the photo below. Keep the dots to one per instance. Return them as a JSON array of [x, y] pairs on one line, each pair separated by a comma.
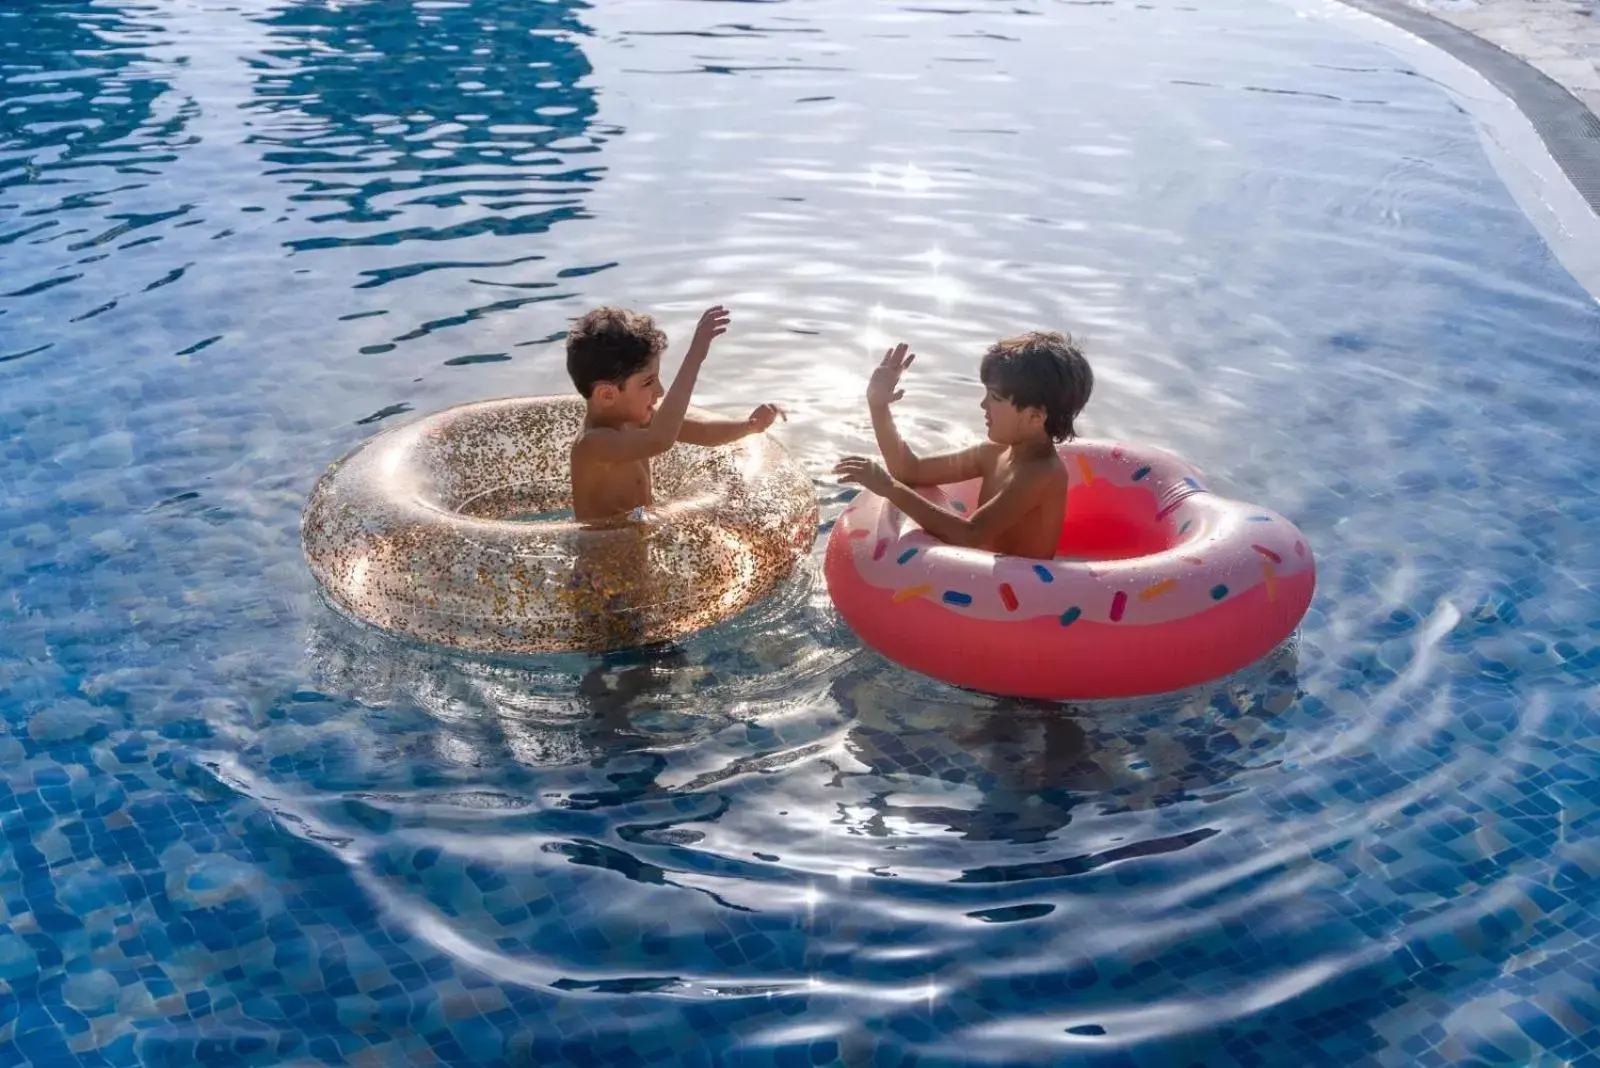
[[1158, 584]]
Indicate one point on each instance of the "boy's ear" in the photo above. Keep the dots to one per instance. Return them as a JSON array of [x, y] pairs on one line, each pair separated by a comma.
[[606, 392]]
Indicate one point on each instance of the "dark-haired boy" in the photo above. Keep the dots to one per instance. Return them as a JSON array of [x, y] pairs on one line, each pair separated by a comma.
[[614, 358], [1035, 385]]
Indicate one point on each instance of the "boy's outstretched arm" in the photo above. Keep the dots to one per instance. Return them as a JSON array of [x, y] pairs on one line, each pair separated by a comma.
[[619, 446], [903, 464], [1024, 489], [713, 432]]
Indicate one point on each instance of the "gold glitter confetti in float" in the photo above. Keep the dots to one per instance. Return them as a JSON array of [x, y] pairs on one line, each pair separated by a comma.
[[438, 530]]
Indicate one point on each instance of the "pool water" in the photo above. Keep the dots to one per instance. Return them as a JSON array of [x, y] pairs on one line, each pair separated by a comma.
[[555, 515], [239, 236]]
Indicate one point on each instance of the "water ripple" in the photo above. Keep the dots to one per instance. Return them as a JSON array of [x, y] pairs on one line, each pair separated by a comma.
[[236, 239]]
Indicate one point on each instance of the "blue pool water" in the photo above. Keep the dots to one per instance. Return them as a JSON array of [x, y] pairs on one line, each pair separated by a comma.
[[237, 236]]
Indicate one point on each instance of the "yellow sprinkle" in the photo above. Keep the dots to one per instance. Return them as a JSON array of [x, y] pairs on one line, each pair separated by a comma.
[[1088, 472], [1270, 579], [910, 592], [1150, 593]]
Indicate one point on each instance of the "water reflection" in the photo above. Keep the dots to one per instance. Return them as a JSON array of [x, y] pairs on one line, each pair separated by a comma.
[[533, 714], [437, 140], [429, 106], [1014, 771], [560, 710], [75, 90], [88, 114]]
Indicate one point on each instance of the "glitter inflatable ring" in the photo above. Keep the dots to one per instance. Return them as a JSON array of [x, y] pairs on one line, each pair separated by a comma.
[[1157, 585], [434, 530]]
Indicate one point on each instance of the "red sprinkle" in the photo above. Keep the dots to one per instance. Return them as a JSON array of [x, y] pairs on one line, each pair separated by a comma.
[[859, 533], [1009, 596], [1119, 604], [1299, 548], [1195, 560], [1268, 553], [883, 547]]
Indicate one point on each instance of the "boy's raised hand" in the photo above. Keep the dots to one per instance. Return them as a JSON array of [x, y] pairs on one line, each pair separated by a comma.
[[764, 416], [883, 389], [713, 324]]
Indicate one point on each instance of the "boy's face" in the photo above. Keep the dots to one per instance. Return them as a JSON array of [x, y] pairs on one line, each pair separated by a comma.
[[633, 400], [1007, 424]]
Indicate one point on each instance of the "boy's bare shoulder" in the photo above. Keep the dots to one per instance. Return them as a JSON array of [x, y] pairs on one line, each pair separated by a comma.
[[1047, 467], [587, 436], [989, 454]]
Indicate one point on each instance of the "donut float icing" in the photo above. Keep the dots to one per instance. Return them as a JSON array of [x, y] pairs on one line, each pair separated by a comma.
[[1157, 584]]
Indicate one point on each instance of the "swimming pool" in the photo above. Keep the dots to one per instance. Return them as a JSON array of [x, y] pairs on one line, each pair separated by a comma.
[[235, 238]]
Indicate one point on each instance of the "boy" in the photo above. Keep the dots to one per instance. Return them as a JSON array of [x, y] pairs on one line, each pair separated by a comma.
[[1035, 384], [614, 358]]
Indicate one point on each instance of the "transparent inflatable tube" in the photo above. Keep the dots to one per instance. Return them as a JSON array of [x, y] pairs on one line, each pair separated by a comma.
[[432, 530]]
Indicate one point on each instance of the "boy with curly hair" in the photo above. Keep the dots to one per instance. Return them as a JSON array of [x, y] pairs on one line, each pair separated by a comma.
[[614, 358]]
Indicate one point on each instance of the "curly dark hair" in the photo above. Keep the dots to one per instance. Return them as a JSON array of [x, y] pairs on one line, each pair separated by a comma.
[[610, 345], [1041, 369]]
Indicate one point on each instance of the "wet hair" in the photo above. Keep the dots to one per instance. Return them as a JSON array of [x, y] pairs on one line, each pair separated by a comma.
[[1041, 370], [611, 345]]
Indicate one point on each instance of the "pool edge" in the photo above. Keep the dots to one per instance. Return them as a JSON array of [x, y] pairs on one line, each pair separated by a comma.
[[1569, 128]]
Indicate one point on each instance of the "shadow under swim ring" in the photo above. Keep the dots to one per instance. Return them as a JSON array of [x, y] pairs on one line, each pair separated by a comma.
[[1157, 585], [433, 530]]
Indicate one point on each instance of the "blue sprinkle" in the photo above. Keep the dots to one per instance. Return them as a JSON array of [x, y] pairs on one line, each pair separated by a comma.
[[1191, 483], [1218, 592], [1044, 573], [1187, 523], [1261, 519], [1137, 475], [958, 506], [1070, 616], [907, 555], [956, 597]]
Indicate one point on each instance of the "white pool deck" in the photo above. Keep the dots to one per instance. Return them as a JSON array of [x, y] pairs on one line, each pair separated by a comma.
[[1559, 37]]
